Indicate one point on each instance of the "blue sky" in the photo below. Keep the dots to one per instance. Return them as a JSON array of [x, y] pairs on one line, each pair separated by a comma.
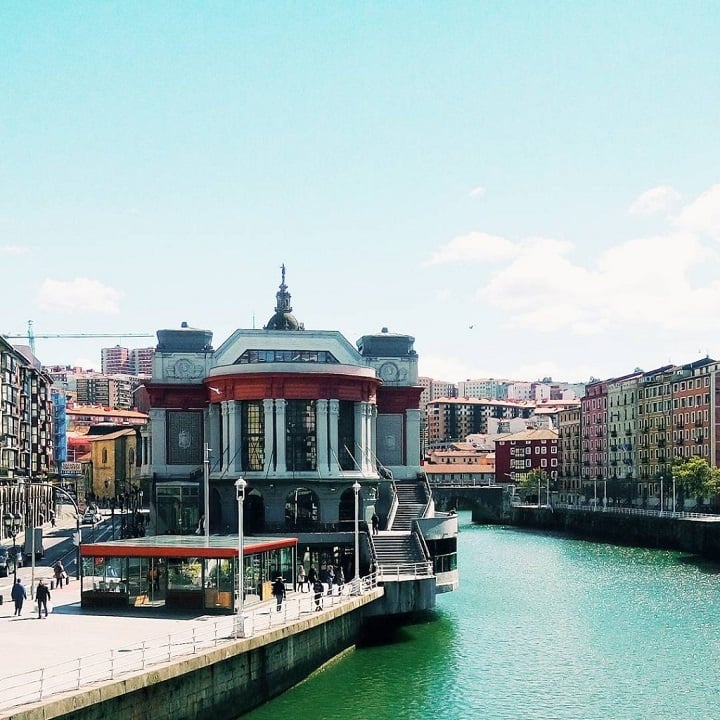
[[545, 172]]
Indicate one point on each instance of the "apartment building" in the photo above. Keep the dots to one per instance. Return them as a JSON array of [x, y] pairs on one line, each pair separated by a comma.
[[115, 360], [518, 454], [569, 436]]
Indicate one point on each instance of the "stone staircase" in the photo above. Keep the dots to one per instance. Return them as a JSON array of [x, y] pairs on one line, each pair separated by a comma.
[[411, 504], [393, 550]]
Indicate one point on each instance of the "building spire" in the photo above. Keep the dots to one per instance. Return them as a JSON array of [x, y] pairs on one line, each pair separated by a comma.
[[283, 319]]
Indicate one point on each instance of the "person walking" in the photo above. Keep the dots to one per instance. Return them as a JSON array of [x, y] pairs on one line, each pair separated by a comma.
[[330, 575], [300, 578], [375, 523], [318, 590], [59, 571], [42, 595], [278, 590], [312, 576], [19, 595]]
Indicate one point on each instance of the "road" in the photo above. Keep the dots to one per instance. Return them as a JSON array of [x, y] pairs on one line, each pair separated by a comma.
[[58, 545]]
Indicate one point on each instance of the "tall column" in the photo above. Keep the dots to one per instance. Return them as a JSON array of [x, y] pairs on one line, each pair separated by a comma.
[[234, 438], [280, 434], [363, 459], [333, 416], [321, 424], [223, 453], [373, 434], [359, 449], [213, 436], [270, 460], [412, 437]]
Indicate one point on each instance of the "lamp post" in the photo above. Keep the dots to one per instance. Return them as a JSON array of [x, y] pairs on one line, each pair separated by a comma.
[[356, 580], [206, 490], [661, 494], [595, 495], [12, 527], [673, 479], [240, 485]]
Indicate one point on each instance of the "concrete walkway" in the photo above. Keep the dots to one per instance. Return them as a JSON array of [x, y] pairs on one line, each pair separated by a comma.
[[70, 632]]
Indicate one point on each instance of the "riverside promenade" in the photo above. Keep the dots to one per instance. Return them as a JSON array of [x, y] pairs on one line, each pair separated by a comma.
[[80, 657]]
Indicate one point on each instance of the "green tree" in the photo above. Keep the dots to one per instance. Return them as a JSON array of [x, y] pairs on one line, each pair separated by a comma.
[[695, 478], [532, 480]]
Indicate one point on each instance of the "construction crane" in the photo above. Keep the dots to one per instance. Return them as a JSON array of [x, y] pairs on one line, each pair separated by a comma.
[[30, 336]]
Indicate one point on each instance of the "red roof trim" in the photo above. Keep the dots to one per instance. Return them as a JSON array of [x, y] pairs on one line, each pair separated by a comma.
[[106, 550]]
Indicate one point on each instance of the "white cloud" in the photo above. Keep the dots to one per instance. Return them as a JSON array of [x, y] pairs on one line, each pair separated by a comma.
[[654, 201], [657, 291], [80, 295], [473, 247], [15, 250], [477, 192], [702, 215]]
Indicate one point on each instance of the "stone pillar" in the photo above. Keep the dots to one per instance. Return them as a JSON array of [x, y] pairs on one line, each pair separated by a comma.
[[224, 452], [234, 440], [270, 460], [373, 435], [333, 416], [280, 434], [321, 424], [213, 435], [359, 449], [412, 437]]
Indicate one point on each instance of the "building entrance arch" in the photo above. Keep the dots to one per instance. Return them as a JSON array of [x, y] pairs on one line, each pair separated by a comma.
[[254, 512]]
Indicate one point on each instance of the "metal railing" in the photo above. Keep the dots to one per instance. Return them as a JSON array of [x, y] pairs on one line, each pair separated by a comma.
[[395, 571], [628, 511], [73, 675]]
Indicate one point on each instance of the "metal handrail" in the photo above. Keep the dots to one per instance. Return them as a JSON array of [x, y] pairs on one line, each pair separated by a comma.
[[394, 571], [71, 676], [629, 511]]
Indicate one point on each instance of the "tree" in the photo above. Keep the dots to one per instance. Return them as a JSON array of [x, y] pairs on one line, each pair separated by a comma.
[[695, 478], [533, 480]]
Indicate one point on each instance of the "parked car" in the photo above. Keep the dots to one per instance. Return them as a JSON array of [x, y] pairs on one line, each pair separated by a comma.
[[91, 516], [6, 562], [16, 555]]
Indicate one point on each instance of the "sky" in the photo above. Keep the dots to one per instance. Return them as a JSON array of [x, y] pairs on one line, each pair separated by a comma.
[[528, 188]]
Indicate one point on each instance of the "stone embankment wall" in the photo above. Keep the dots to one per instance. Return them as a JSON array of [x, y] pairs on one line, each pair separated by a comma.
[[699, 536], [221, 683]]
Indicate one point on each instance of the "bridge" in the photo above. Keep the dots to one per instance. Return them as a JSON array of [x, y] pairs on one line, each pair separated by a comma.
[[488, 503]]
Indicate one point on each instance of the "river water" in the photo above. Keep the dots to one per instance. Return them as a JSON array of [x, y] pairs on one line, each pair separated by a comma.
[[542, 627]]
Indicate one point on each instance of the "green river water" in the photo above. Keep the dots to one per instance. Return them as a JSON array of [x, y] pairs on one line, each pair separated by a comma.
[[541, 627]]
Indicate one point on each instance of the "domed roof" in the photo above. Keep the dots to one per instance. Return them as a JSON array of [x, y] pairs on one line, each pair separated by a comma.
[[283, 319]]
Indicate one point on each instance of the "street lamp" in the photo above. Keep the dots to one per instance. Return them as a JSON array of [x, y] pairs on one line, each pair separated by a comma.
[[673, 479], [240, 486], [661, 494], [356, 580], [206, 490], [12, 527]]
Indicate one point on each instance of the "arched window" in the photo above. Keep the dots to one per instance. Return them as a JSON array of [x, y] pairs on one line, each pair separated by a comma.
[[104, 455]]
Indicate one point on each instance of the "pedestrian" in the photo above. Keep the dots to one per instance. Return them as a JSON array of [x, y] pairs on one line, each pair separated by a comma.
[[59, 571], [278, 590], [42, 595], [340, 578], [330, 575], [375, 523], [300, 578], [18, 594], [312, 576], [318, 590], [52, 518]]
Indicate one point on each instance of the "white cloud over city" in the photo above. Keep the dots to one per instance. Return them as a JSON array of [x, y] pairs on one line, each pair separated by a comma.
[[661, 288], [81, 295]]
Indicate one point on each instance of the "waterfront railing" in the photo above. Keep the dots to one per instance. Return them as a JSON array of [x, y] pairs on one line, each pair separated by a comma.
[[398, 571], [625, 510], [73, 675]]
